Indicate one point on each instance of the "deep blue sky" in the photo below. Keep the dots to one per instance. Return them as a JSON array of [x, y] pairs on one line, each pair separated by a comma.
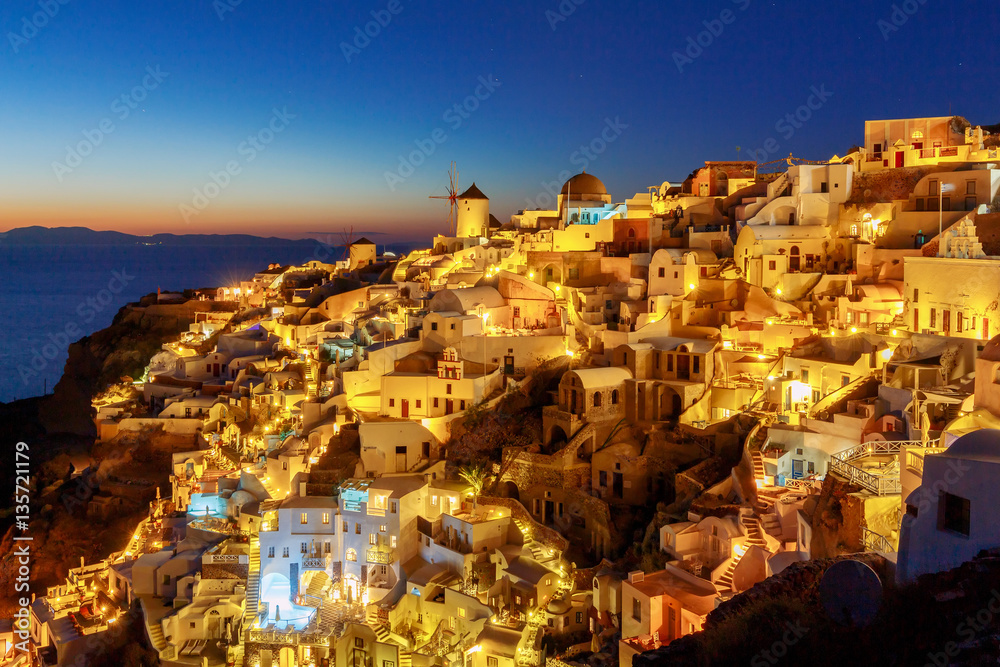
[[607, 60]]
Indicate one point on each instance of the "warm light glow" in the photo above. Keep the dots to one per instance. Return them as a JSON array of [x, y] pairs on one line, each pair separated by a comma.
[[893, 332], [690, 285], [558, 287], [778, 291], [761, 357], [569, 353], [531, 275], [854, 330], [887, 354]]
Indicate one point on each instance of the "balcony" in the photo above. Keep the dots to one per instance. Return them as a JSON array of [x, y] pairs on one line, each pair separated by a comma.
[[317, 562], [381, 556]]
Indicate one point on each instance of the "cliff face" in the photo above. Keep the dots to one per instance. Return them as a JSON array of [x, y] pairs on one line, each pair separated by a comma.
[[122, 349], [947, 618]]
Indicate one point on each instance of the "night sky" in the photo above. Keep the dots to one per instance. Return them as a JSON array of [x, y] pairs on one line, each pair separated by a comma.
[[332, 113]]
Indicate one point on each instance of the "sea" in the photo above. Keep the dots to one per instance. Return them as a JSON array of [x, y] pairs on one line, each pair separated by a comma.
[[52, 295]]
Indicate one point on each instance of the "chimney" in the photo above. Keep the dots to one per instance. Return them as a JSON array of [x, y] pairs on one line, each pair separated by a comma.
[[635, 577]]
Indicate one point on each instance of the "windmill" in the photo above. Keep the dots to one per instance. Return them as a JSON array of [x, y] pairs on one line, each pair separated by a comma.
[[452, 197], [347, 236]]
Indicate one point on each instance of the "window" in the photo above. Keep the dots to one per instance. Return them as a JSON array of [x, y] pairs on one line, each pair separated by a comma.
[[636, 609], [284, 465], [418, 402], [614, 395], [326, 518], [304, 518], [392, 507], [970, 187], [284, 552], [359, 642], [696, 364], [461, 405], [579, 617], [303, 548], [166, 580], [452, 326], [351, 555], [491, 661], [805, 376], [270, 552], [382, 528], [597, 399], [916, 295], [602, 478], [954, 513], [461, 612], [357, 529], [670, 363], [447, 389], [372, 538], [392, 402], [517, 311], [799, 451], [392, 541], [932, 188], [435, 402], [845, 380], [388, 663], [933, 317], [345, 527], [662, 272], [434, 326], [772, 265], [434, 501], [326, 547]]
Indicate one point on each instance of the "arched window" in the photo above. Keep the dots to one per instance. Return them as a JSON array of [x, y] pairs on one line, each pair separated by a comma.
[[917, 135], [631, 233], [352, 555], [614, 397], [597, 399]]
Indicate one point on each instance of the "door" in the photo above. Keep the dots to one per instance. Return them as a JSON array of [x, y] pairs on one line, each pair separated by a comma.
[[406, 409], [400, 459], [683, 367], [796, 468], [449, 406], [676, 405], [899, 159], [617, 485], [508, 365], [946, 321], [916, 320], [549, 512], [215, 370]]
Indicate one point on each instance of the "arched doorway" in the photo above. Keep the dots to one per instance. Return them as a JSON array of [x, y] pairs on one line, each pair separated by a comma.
[[509, 489], [794, 260], [671, 404], [557, 435], [722, 184]]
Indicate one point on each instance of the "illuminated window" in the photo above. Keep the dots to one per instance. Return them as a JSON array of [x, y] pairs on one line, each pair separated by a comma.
[[461, 612], [326, 518], [304, 519], [434, 500], [382, 528], [372, 538], [351, 555], [392, 541]]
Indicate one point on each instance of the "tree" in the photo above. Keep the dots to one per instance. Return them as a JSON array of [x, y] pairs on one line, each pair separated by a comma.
[[475, 475]]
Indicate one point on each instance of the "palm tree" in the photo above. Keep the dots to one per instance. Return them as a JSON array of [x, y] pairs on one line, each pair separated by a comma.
[[475, 474]]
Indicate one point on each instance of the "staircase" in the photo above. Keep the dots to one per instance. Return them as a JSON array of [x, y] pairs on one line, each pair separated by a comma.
[[758, 466], [253, 584], [310, 380], [405, 659], [156, 638], [755, 536], [772, 525]]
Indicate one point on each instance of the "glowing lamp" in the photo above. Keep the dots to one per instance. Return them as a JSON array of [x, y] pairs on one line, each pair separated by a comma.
[[887, 354]]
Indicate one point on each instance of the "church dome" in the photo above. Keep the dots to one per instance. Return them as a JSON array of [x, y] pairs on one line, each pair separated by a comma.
[[982, 443], [584, 184]]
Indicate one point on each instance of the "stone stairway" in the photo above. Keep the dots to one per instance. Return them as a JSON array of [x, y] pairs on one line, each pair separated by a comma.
[[758, 466], [253, 584], [156, 638], [310, 380], [755, 535], [772, 525]]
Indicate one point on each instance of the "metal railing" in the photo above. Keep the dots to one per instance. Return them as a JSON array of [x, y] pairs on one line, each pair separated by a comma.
[[877, 484], [876, 541], [381, 556]]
